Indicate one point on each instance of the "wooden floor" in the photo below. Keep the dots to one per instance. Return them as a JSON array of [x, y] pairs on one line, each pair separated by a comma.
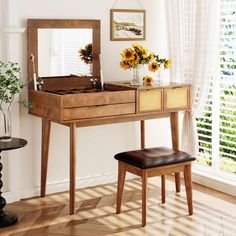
[[214, 213]]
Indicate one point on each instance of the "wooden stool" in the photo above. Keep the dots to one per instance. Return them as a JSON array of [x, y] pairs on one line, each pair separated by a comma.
[[151, 162]]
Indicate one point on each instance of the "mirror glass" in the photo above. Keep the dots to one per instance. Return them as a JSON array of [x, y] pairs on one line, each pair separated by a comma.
[[59, 52]]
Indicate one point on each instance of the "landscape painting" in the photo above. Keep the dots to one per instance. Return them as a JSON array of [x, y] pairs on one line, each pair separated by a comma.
[[127, 24]]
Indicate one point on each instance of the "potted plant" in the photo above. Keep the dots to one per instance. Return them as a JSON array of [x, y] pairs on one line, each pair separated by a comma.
[[10, 85]]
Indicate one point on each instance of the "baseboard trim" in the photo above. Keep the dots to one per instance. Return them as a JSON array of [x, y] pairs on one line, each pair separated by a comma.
[[219, 184], [9, 196], [61, 186]]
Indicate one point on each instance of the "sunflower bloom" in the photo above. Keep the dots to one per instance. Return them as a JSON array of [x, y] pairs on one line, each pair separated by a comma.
[[167, 63], [144, 53], [151, 57], [148, 80], [137, 47], [153, 66], [126, 65], [128, 54], [136, 58]]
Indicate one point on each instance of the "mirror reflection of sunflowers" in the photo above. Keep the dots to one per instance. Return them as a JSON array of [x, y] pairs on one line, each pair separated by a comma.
[[86, 54], [137, 55]]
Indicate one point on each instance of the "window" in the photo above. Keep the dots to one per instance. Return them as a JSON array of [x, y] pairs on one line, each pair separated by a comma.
[[217, 124]]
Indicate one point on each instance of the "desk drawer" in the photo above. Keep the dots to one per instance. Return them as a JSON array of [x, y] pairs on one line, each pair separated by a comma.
[[98, 111], [98, 98], [150, 100], [176, 98]]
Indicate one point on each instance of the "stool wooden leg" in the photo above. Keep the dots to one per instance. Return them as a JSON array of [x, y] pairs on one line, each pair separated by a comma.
[[163, 189], [120, 185], [177, 182], [142, 134], [188, 187], [144, 197]]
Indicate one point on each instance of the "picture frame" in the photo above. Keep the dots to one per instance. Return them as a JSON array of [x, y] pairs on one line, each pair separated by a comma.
[[127, 24]]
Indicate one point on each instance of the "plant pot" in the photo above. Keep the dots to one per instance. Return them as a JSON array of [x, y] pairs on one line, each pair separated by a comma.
[[5, 125]]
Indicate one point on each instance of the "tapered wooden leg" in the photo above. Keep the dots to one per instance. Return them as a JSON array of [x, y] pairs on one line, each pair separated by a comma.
[[188, 187], [120, 185], [174, 121], [144, 198], [72, 166], [163, 189], [177, 182], [142, 133], [46, 127]]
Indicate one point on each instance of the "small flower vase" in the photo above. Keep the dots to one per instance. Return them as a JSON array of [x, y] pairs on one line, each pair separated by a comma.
[[158, 77], [137, 75], [5, 124]]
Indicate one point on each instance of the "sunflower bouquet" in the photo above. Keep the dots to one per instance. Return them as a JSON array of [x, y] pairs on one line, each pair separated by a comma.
[[86, 54], [137, 55]]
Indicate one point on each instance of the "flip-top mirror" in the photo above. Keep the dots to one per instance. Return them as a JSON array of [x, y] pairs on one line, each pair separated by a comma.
[[65, 49]]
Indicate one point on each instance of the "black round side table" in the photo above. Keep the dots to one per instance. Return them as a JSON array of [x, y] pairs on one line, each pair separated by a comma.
[[7, 218]]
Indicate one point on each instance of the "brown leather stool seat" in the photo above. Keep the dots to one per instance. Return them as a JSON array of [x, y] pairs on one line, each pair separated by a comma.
[[150, 162], [153, 157]]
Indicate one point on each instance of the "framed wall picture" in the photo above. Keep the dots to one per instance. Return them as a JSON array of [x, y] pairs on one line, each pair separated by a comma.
[[128, 24]]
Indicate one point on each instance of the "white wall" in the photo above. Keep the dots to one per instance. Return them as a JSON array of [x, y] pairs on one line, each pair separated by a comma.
[[1, 32], [4, 159], [96, 145]]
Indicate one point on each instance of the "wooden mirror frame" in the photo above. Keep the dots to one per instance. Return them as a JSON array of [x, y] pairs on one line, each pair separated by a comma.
[[62, 81]]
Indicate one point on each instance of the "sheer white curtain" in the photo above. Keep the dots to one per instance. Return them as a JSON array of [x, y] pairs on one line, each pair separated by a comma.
[[193, 27]]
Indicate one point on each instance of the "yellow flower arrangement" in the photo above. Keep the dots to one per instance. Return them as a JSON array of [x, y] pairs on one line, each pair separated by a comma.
[[131, 57], [148, 80], [138, 55]]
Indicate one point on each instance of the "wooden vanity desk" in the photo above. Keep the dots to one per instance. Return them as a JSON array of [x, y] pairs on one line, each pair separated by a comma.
[[118, 103], [72, 100]]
